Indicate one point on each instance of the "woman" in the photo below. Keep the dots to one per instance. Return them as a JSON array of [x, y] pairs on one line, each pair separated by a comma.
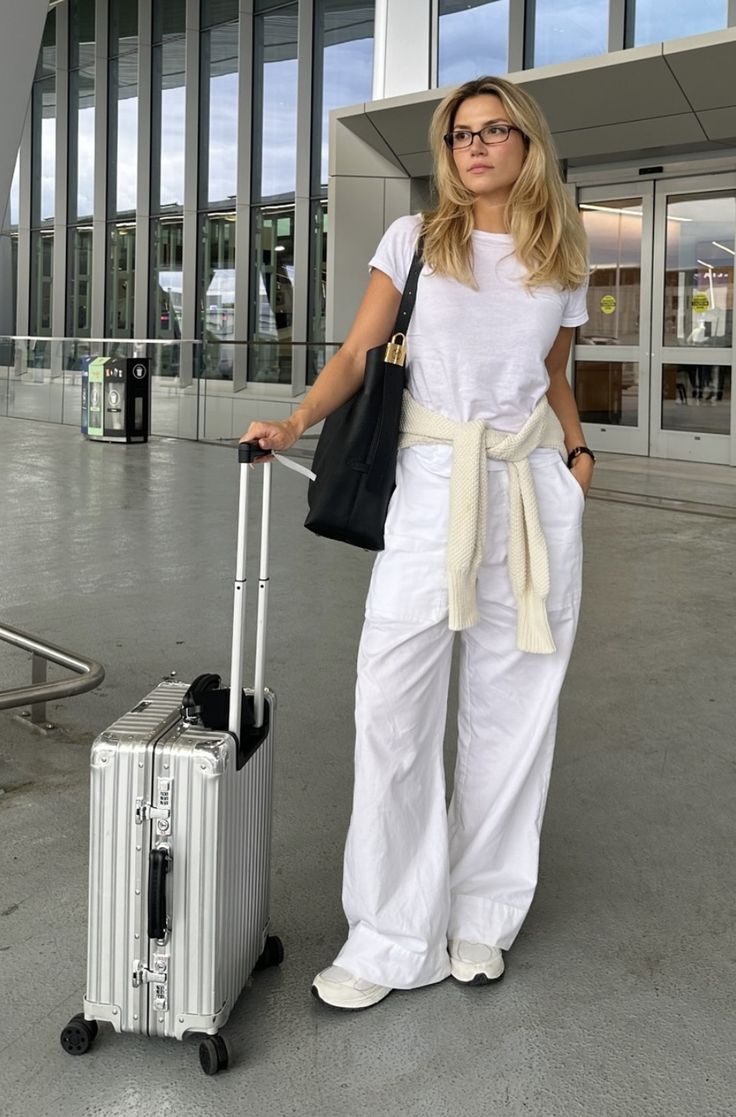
[[482, 537]]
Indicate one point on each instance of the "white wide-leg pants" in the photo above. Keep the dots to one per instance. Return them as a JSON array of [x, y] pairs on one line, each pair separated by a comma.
[[416, 874]]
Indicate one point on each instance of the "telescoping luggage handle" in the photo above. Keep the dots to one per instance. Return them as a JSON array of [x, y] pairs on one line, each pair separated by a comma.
[[248, 452]]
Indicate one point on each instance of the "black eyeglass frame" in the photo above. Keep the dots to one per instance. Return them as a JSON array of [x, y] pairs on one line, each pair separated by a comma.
[[487, 143]]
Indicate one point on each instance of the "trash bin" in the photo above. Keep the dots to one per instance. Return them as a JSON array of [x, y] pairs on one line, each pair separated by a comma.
[[118, 407]]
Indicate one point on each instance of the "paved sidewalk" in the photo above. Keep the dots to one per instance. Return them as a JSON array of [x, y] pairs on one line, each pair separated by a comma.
[[618, 1001]]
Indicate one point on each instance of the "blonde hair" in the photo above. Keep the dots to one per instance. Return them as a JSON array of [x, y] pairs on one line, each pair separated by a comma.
[[548, 233]]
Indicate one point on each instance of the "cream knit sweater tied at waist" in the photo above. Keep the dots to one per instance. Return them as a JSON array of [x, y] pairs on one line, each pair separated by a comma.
[[528, 560]]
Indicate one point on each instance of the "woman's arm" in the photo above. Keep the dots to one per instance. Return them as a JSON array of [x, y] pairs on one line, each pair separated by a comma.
[[562, 402], [343, 374]]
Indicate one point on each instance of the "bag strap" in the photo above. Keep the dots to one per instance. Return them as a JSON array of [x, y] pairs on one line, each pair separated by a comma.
[[408, 298]]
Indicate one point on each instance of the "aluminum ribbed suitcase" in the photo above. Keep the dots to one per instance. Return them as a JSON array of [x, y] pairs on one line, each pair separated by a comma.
[[180, 843]]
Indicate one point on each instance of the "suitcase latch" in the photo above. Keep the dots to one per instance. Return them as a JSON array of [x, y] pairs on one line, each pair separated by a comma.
[[156, 975], [161, 810]]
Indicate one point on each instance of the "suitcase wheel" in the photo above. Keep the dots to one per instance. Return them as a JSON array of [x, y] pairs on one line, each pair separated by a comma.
[[77, 1037], [213, 1054], [273, 954]]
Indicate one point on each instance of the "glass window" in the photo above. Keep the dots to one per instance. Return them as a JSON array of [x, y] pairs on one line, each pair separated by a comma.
[[123, 176], [44, 150], [42, 281], [655, 21], [81, 33], [120, 279], [217, 293], [699, 263], [219, 113], [344, 46], [274, 103], [14, 201], [81, 143], [167, 148], [123, 26], [218, 11], [317, 290], [272, 294], [607, 392], [46, 65], [614, 231], [473, 39], [167, 238], [566, 29], [169, 19], [696, 398], [79, 285]]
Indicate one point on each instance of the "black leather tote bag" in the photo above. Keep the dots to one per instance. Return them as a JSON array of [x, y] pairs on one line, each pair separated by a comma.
[[355, 458]]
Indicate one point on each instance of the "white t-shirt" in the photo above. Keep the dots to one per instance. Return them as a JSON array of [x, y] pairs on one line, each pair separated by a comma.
[[478, 354]]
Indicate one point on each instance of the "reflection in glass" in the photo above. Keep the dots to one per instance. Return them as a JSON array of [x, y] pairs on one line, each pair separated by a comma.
[[81, 33], [121, 279], [79, 263], [274, 114], [46, 66], [217, 294], [218, 11], [696, 398], [123, 35], [607, 392], [168, 137], [167, 238], [614, 231], [44, 150], [698, 296], [169, 19], [344, 44], [124, 78], [317, 289], [658, 20], [14, 200], [81, 143], [42, 279], [473, 39], [272, 294], [220, 111], [567, 29]]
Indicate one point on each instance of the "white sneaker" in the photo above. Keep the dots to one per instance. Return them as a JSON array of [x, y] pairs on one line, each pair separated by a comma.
[[335, 986], [474, 963]]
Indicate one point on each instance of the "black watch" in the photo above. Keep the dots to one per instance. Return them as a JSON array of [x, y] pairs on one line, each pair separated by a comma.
[[576, 454]]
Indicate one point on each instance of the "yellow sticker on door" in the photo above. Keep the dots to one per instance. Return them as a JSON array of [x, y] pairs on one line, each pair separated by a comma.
[[608, 304], [700, 303]]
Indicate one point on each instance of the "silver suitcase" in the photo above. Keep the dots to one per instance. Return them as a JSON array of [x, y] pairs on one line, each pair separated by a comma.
[[180, 841]]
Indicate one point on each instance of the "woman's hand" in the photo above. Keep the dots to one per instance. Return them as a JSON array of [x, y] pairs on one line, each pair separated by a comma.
[[582, 471], [272, 435]]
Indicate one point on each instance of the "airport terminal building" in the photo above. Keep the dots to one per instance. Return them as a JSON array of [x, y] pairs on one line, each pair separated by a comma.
[[203, 181]]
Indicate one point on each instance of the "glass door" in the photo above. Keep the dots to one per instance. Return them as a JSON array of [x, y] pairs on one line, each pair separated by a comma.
[[692, 350], [611, 377], [653, 365]]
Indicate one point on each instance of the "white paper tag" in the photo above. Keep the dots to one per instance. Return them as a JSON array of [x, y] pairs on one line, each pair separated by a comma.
[[291, 464]]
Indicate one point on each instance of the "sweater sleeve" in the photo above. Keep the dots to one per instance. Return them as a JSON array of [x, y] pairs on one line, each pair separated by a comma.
[[396, 250]]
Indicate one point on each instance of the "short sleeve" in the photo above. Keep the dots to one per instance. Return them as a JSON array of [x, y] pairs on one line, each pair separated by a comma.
[[396, 249], [576, 309]]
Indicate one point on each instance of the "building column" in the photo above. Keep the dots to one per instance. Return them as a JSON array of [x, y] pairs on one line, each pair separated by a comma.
[[243, 189], [99, 206], [190, 234], [143, 185], [402, 47], [58, 298]]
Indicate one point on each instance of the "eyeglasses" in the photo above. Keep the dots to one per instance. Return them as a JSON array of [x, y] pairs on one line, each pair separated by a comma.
[[491, 134]]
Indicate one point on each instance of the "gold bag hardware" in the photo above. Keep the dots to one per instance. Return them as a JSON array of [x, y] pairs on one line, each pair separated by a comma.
[[396, 350]]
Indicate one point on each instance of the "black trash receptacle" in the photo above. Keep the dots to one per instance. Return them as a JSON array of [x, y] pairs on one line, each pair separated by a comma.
[[125, 398]]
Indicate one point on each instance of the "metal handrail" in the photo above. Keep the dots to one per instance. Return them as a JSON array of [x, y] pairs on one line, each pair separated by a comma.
[[40, 691]]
